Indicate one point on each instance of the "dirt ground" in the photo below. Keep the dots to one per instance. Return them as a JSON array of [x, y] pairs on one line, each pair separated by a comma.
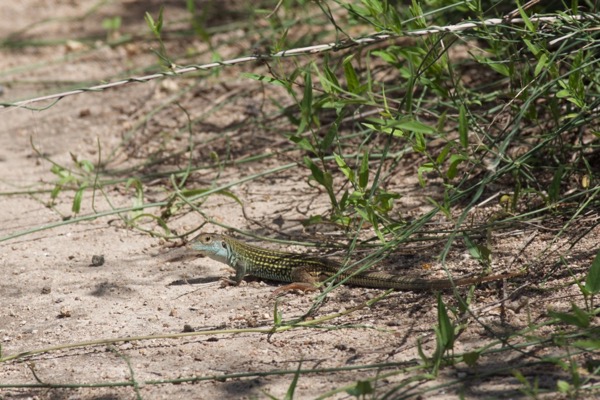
[[51, 294]]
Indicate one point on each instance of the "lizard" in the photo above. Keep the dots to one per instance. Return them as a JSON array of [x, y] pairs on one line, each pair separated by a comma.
[[305, 273]]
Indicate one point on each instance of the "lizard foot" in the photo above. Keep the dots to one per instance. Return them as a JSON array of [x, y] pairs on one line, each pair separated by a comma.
[[305, 287], [224, 282]]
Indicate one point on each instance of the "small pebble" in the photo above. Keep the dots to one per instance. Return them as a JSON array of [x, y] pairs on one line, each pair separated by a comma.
[[65, 312], [97, 261]]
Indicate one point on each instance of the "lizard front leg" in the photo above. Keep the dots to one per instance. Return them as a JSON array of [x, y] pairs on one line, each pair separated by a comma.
[[240, 273]]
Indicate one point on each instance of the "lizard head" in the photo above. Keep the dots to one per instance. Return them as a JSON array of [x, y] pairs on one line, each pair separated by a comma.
[[211, 245]]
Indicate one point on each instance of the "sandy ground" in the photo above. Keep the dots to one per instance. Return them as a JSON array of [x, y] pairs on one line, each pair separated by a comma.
[[51, 293]]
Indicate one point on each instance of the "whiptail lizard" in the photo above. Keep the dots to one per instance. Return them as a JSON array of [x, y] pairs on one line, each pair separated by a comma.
[[306, 272]]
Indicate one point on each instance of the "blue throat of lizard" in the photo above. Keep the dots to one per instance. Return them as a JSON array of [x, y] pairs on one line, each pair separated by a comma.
[[214, 250]]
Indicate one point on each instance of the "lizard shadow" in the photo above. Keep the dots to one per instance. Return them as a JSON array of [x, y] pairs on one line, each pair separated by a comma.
[[195, 281]]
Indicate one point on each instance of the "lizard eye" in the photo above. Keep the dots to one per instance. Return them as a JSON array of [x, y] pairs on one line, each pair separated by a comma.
[[206, 239]]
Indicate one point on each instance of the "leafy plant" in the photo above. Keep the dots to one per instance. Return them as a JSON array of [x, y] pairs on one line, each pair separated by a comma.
[[444, 339], [112, 26], [156, 27]]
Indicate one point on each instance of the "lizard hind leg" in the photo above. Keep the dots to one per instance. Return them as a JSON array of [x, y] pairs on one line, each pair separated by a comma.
[[302, 279]]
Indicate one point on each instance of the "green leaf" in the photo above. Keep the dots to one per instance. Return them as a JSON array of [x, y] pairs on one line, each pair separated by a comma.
[[412, 125], [344, 201], [150, 21], [444, 325], [441, 122], [277, 317], [525, 17], [268, 79], [417, 12], [55, 192], [304, 144], [351, 77], [190, 6], [385, 201], [138, 199], [329, 137], [592, 281], [60, 171], [581, 315], [534, 49], [214, 157], [306, 105], [386, 56], [443, 154], [455, 160], [307, 100], [362, 388], [562, 386], [86, 165], [420, 145], [289, 395], [391, 126], [356, 197], [478, 252], [389, 131], [363, 173], [329, 81], [591, 345], [159, 22], [496, 66], [578, 318], [423, 169], [313, 220], [500, 68], [541, 65], [62, 182], [323, 178], [111, 24], [463, 126], [471, 358], [77, 200], [364, 214], [155, 27], [346, 170]]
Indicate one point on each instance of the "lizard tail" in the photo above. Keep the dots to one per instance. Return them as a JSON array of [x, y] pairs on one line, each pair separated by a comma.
[[383, 280]]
